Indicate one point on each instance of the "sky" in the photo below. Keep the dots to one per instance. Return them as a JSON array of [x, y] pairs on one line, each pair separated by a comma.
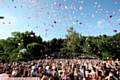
[[51, 18]]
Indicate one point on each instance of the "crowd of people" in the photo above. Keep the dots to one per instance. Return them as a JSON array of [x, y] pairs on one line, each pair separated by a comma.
[[64, 69]]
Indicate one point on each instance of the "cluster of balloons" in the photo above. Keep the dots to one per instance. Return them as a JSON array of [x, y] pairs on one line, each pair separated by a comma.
[[63, 7]]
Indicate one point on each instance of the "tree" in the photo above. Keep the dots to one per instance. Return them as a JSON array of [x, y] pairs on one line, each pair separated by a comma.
[[72, 43], [35, 50], [22, 39]]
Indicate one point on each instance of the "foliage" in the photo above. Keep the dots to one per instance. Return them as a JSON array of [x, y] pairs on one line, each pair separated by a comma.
[[72, 46], [71, 43], [34, 49]]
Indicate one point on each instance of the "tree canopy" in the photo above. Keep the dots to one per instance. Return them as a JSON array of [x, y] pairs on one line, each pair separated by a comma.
[[27, 46]]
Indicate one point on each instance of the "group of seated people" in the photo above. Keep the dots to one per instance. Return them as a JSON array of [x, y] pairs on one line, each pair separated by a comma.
[[64, 69]]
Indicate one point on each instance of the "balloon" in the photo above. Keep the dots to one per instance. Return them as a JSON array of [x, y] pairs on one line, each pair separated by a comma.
[[77, 20], [110, 16], [15, 7], [59, 4], [28, 25], [9, 22], [46, 32], [12, 0], [80, 8], [1, 17], [55, 22], [52, 25], [46, 29], [21, 6], [3, 22], [115, 30], [118, 23], [80, 23]]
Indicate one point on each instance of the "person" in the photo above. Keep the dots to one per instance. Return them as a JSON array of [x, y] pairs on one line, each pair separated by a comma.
[[44, 78], [76, 74], [99, 75], [33, 71], [15, 72], [4, 75], [111, 76]]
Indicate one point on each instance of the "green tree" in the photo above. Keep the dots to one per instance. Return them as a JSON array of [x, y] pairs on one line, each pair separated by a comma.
[[35, 50], [71, 44]]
